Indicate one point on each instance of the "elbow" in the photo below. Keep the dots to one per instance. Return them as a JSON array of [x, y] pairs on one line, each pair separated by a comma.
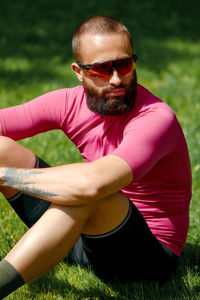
[[90, 191]]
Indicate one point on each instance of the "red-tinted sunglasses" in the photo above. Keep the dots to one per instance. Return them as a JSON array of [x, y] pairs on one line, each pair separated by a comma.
[[105, 69]]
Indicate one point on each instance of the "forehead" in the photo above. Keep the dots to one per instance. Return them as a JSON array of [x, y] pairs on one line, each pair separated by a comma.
[[99, 48]]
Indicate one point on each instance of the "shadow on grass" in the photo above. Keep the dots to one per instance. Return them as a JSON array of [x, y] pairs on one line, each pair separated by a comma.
[[50, 283], [184, 283], [190, 256], [42, 30]]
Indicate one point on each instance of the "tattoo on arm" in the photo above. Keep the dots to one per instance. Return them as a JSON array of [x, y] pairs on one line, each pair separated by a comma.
[[22, 180]]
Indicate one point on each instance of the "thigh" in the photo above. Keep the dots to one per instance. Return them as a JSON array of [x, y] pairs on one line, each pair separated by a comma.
[[30, 208], [129, 252], [107, 214]]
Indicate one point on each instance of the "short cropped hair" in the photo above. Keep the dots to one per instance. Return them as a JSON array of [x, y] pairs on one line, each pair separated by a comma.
[[98, 25]]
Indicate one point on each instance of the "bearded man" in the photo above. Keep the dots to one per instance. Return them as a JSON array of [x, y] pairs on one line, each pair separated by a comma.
[[124, 211]]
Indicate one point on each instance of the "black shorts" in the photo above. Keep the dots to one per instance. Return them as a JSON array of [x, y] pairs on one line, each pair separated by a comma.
[[129, 252], [30, 208]]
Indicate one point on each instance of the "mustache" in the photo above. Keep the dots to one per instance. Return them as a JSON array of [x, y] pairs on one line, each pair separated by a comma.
[[102, 103], [110, 89]]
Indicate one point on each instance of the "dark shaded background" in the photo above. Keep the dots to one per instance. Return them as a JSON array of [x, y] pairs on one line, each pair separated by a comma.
[[42, 29]]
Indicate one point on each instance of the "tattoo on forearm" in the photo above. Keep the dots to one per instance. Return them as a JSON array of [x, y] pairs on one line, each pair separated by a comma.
[[23, 181]]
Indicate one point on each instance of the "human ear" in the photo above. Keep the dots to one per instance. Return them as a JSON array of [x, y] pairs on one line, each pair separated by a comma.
[[78, 71]]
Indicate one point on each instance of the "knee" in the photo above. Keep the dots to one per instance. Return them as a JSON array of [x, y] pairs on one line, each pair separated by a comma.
[[13, 154], [107, 214], [6, 147]]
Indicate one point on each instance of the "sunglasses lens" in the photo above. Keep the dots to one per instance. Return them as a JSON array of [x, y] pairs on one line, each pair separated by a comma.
[[102, 70], [124, 66]]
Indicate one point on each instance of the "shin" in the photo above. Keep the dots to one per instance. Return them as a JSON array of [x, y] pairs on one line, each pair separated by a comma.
[[54, 235]]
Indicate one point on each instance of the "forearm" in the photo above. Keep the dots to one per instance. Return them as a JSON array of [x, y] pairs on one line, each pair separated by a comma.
[[58, 184], [74, 184]]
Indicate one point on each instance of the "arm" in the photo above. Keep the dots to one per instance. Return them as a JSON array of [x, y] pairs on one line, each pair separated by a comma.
[[39, 115], [73, 184]]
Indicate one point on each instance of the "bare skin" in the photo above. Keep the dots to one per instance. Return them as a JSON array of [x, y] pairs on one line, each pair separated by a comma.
[[53, 236], [48, 184], [24, 158], [81, 194], [95, 48]]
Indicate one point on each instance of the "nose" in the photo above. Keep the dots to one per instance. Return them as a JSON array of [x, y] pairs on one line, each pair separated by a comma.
[[114, 78]]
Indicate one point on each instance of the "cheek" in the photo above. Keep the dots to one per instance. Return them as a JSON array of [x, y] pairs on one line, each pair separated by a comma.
[[128, 78], [97, 82], [90, 86]]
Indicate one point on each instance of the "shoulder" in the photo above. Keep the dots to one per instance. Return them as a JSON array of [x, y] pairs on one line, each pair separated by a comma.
[[63, 93], [77, 91], [66, 97], [149, 104], [151, 114]]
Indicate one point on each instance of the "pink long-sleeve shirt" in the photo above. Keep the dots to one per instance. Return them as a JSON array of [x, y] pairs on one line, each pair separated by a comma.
[[149, 139]]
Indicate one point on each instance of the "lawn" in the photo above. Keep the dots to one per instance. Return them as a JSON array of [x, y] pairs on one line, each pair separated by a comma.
[[35, 57]]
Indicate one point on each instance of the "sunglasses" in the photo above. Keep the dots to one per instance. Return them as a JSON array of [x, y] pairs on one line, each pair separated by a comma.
[[104, 69]]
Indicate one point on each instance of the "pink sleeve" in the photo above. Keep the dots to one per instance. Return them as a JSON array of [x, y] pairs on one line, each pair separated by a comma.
[[39, 115], [147, 139]]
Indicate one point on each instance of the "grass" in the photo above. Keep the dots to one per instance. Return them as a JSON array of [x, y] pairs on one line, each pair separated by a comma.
[[35, 57]]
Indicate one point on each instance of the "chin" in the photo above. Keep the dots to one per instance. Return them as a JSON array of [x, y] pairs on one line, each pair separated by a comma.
[[113, 106]]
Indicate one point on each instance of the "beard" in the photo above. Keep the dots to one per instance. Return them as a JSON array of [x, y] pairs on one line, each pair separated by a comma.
[[113, 106]]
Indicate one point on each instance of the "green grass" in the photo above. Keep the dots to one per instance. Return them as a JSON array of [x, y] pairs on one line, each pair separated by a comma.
[[35, 57]]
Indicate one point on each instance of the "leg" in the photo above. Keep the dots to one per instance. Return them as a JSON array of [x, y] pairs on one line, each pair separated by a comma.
[[122, 242], [14, 155], [41, 248], [53, 236], [47, 242], [28, 208], [128, 252]]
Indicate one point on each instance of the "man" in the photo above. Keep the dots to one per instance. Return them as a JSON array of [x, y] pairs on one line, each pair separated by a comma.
[[125, 210]]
